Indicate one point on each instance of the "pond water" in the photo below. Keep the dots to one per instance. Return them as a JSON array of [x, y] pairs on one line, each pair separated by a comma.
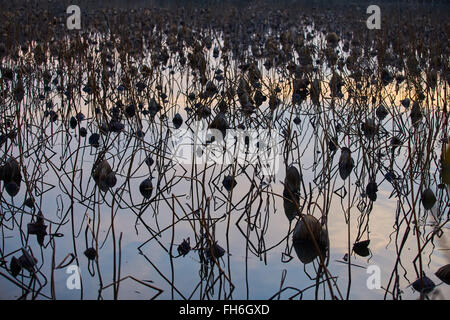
[[136, 240]]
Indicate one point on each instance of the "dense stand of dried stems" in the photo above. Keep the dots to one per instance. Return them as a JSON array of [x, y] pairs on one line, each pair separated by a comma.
[[91, 113]]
